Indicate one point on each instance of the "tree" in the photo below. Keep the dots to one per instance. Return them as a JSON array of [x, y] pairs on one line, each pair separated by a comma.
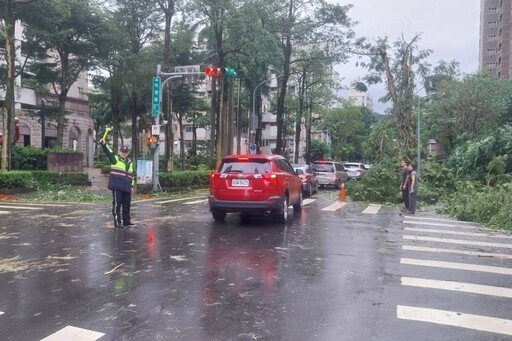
[[399, 65], [69, 31], [315, 25], [7, 29]]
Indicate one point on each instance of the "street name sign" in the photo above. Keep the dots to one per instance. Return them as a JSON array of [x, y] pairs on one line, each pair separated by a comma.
[[155, 105]]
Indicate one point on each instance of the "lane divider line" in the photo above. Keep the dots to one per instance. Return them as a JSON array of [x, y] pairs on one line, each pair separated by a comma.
[[334, 207], [372, 209], [456, 319], [308, 201], [20, 207], [176, 200], [195, 202]]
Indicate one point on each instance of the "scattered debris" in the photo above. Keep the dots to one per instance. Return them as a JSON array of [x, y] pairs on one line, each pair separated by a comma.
[[114, 269]]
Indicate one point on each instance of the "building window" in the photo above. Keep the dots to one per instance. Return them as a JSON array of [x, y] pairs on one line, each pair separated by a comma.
[[492, 10], [188, 145], [493, 24], [491, 51], [492, 37], [188, 128], [491, 66]]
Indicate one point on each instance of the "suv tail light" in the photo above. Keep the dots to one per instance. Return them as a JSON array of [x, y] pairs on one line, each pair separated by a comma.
[[270, 177]]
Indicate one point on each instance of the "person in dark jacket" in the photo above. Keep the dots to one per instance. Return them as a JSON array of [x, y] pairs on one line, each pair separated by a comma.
[[120, 182], [413, 188], [404, 184]]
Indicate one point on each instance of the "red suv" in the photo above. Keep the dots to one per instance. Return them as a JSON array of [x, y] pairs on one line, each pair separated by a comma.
[[255, 183]]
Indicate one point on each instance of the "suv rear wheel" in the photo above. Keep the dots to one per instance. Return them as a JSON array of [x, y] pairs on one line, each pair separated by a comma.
[[297, 207], [218, 215], [282, 214]]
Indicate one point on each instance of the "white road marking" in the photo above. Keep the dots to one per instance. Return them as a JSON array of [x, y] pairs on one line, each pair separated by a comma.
[[1, 313], [175, 200], [439, 224], [307, 201], [440, 219], [458, 286], [457, 241], [458, 252], [474, 234], [334, 207], [457, 266], [75, 334], [5, 212], [195, 202], [372, 209], [21, 207], [456, 319]]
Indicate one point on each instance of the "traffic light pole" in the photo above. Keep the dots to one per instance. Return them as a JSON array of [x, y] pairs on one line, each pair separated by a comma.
[[156, 154]]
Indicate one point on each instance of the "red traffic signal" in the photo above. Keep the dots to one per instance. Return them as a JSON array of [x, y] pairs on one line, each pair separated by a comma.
[[212, 71]]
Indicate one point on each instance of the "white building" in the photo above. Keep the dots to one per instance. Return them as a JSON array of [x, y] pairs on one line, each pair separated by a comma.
[[360, 98], [79, 129]]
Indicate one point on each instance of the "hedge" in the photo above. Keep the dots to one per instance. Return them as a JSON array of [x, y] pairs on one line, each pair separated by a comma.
[[27, 180]]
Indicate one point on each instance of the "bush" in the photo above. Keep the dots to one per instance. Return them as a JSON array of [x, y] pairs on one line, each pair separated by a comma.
[[473, 201], [184, 179], [29, 158], [17, 180], [27, 180], [380, 184]]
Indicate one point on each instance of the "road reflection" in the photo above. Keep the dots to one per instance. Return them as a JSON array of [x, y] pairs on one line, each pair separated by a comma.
[[241, 281]]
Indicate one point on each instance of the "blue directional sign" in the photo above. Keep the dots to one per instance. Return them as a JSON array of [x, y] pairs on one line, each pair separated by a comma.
[[155, 105], [252, 148]]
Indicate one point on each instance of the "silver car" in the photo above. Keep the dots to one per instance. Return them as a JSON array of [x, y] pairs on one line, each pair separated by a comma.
[[355, 170], [330, 173]]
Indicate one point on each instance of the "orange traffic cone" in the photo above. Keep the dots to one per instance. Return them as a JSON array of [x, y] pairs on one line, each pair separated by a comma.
[[343, 194]]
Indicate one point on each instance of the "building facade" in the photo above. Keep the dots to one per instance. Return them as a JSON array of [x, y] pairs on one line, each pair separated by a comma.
[[79, 127], [360, 98], [495, 35]]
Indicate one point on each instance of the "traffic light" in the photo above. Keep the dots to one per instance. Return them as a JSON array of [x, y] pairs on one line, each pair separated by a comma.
[[212, 71], [228, 72], [223, 71]]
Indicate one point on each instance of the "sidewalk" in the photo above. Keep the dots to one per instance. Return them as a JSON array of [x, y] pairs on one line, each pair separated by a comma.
[[98, 180]]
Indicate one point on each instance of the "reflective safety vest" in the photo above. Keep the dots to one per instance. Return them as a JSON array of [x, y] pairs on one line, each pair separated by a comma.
[[121, 172]]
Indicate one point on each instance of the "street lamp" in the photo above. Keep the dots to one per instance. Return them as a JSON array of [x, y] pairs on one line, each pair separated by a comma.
[[254, 104]]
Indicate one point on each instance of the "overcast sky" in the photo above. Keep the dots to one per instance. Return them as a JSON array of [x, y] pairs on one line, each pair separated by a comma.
[[449, 27]]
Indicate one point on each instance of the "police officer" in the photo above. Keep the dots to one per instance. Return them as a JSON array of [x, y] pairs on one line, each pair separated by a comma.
[[121, 181]]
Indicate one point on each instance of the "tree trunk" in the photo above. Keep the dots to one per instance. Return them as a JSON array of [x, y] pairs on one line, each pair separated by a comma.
[[8, 108]]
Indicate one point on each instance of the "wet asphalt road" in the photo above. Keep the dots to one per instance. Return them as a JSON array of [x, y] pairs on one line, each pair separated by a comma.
[[178, 275]]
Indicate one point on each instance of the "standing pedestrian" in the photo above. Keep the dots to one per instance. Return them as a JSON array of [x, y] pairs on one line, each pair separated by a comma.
[[120, 182], [404, 184], [413, 188]]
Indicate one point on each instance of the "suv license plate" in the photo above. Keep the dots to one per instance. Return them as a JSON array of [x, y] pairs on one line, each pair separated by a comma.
[[240, 182]]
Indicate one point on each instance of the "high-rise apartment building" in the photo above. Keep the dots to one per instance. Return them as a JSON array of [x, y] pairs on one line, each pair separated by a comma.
[[495, 35]]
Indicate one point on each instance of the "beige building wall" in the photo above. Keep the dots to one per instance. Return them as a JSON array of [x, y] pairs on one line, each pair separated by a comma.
[[495, 35]]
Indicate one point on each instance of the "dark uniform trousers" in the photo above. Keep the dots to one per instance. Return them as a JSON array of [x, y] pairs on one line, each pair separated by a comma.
[[121, 201]]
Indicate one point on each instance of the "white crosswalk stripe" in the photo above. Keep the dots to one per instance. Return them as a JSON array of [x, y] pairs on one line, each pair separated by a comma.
[[372, 209], [457, 319], [334, 207], [431, 231], [308, 201], [75, 334]]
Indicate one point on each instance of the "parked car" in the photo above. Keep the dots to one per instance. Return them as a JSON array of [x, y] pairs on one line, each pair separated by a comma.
[[355, 170], [308, 178], [255, 183], [330, 173]]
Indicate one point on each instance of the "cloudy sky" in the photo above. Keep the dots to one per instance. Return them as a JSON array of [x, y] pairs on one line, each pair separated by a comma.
[[449, 27]]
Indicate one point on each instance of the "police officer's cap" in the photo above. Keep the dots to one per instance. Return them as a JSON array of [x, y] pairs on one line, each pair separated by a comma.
[[125, 149]]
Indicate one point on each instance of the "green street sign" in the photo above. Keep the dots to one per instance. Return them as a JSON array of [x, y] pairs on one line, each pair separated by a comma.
[[155, 105]]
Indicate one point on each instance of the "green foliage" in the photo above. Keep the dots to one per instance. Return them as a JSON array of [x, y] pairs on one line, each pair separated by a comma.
[[483, 204], [319, 150], [29, 158], [17, 180], [40, 180], [380, 184], [184, 179], [475, 158]]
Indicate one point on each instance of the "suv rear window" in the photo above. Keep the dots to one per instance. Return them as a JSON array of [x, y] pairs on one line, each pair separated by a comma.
[[251, 167], [323, 167], [352, 165]]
